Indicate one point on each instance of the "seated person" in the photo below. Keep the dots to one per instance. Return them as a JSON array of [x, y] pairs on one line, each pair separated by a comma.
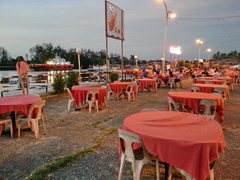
[[179, 78], [144, 74], [205, 73]]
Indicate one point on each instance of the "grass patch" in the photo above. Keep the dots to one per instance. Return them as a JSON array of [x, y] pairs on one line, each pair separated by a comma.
[[47, 169]]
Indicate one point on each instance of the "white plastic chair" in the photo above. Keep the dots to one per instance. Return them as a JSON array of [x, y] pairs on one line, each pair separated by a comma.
[[92, 99], [208, 82], [110, 92], [71, 100], [129, 154], [221, 92], [129, 92], [173, 106], [210, 107], [195, 89], [33, 122]]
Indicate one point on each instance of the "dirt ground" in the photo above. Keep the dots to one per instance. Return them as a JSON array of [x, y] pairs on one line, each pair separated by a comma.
[[71, 132]]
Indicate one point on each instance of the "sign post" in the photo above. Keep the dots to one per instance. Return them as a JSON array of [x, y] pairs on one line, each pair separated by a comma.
[[114, 28]]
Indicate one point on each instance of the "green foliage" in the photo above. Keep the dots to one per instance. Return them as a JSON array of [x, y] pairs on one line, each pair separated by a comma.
[[127, 80], [71, 79], [113, 76], [58, 84]]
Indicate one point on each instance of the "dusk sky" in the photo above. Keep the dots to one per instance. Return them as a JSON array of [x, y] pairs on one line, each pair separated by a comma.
[[80, 23]]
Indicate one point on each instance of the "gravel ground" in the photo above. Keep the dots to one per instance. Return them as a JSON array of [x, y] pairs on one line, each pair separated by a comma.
[[71, 132]]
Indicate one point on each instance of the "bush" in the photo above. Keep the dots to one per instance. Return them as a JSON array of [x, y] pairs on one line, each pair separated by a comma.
[[71, 79], [58, 84], [5, 80], [113, 76], [126, 80]]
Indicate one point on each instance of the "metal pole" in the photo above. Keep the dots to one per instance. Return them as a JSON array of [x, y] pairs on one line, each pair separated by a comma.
[[107, 61], [165, 38], [79, 68], [199, 52], [122, 57]]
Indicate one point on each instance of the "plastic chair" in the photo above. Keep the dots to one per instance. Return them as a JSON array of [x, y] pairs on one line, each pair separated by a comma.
[[4, 122], [33, 122], [195, 89], [127, 139], [110, 92], [208, 82], [220, 91], [129, 92], [71, 100], [171, 82], [210, 107], [92, 99], [173, 106]]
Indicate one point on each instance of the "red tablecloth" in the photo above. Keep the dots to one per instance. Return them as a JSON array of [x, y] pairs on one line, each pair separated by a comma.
[[80, 94], [18, 103], [183, 140], [191, 99], [209, 88], [143, 83], [118, 87], [203, 81], [228, 79]]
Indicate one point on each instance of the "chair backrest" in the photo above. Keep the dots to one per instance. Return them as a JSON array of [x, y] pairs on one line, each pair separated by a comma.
[[195, 89], [129, 88], [108, 87], [1, 87], [127, 143], [173, 106], [208, 82], [210, 107], [70, 94], [92, 95], [220, 91], [37, 106]]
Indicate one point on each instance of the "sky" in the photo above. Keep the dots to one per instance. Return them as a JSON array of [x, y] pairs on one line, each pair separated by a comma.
[[81, 24]]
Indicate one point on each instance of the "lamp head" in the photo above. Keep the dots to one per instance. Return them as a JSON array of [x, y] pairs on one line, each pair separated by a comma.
[[78, 50]]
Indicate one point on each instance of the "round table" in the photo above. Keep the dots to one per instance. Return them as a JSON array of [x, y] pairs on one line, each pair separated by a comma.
[[209, 88], [118, 87], [80, 94], [17, 103], [191, 99], [144, 83], [203, 81], [184, 140]]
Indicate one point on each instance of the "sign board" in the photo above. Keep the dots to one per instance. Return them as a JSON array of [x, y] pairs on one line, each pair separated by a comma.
[[114, 21]]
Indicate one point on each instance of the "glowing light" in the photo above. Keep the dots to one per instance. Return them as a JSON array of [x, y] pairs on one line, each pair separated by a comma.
[[175, 50], [172, 15], [199, 42], [209, 50]]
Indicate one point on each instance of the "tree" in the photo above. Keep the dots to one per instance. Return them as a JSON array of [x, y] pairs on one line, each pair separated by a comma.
[[5, 59]]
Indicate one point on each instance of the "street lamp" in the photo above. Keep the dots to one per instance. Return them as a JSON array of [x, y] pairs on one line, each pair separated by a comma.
[[209, 51], [169, 15], [199, 42], [136, 59], [78, 51]]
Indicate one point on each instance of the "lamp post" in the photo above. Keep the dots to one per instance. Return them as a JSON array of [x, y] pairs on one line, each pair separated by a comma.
[[136, 59], [199, 42], [209, 51], [169, 15], [78, 51]]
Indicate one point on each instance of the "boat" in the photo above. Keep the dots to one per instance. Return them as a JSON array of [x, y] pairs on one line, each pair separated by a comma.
[[56, 63]]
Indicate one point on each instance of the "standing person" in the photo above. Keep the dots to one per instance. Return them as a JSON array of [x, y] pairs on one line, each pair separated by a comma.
[[22, 70]]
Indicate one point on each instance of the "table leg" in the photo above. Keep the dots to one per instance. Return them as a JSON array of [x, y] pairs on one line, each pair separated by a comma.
[[13, 117], [166, 171]]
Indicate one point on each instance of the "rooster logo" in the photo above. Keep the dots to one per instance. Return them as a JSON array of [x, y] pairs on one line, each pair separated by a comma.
[[112, 22]]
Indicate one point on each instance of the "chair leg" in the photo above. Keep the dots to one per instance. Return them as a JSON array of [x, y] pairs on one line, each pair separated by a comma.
[[97, 106], [11, 129], [211, 174], [121, 166], [44, 127], [36, 128], [90, 107], [157, 170], [138, 170], [69, 105]]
